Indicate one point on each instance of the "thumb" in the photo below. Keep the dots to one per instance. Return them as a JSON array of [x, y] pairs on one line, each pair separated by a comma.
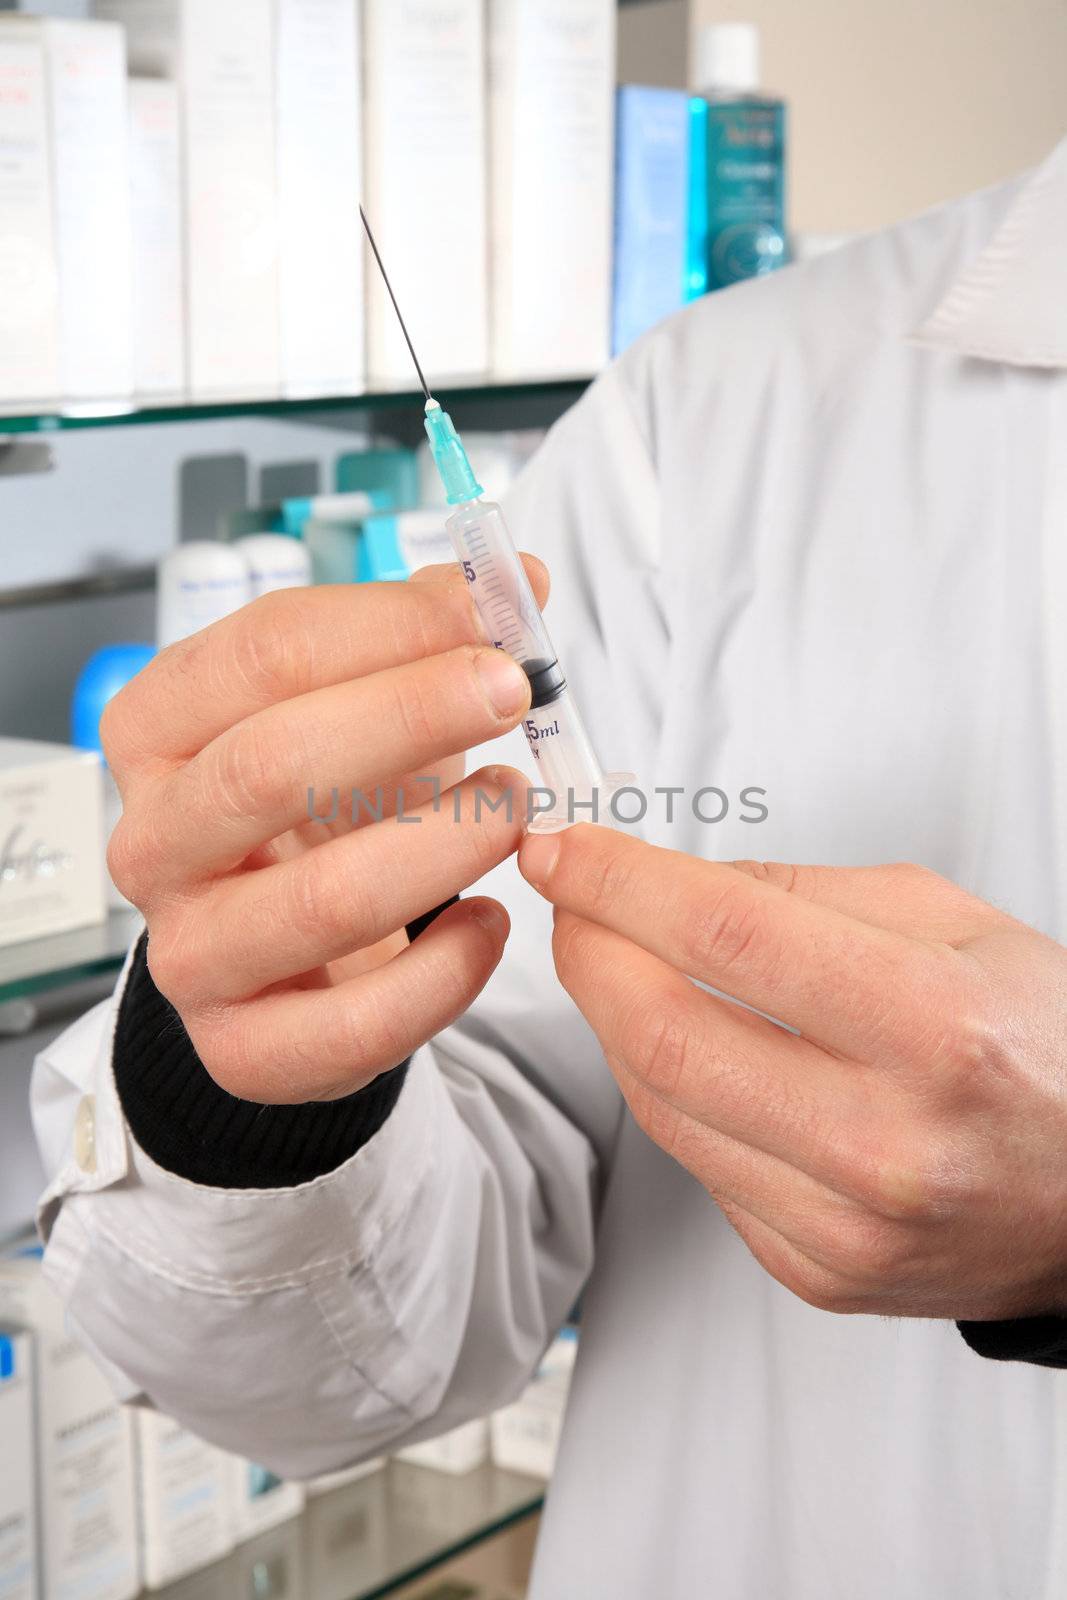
[[899, 897]]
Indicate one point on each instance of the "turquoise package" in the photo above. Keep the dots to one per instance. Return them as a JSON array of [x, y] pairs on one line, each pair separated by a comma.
[[745, 188], [393, 546], [348, 507]]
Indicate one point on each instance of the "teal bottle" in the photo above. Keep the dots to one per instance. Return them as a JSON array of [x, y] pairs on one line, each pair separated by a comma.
[[745, 159]]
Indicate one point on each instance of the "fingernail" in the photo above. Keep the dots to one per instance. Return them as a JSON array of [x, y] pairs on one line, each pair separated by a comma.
[[492, 918], [508, 778], [537, 857], [503, 680]]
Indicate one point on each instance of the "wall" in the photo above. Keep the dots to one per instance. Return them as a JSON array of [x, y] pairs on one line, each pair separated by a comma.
[[899, 104], [653, 42]]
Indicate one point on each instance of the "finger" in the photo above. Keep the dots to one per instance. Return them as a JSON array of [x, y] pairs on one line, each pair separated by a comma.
[[828, 1229], [811, 1281], [252, 783], [859, 991], [407, 793], [536, 571], [728, 1068], [320, 1044], [262, 928], [902, 898], [282, 645], [331, 815]]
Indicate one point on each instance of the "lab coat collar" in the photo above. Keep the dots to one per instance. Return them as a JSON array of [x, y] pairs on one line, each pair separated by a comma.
[[1010, 303]]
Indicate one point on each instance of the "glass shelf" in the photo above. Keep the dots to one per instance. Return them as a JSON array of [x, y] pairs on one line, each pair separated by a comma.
[[40, 964], [368, 1540], [30, 417]]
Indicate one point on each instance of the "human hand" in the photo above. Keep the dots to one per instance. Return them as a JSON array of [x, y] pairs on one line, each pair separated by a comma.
[[904, 1151], [276, 937]]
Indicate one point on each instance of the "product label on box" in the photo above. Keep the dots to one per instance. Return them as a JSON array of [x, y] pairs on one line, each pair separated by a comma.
[[423, 547], [17, 1470], [87, 1512], [33, 867], [29, 298], [158, 281], [184, 1506], [87, 1471], [51, 847], [91, 178], [89, 1537]]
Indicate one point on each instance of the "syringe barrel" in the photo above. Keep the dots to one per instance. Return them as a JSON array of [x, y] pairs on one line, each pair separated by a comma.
[[564, 759], [502, 595], [570, 785]]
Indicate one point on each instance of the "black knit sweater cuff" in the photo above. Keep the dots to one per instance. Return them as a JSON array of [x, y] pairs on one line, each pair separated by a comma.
[[189, 1126], [1039, 1340]]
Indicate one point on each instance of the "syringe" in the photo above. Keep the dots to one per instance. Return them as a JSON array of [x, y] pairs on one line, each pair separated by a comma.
[[571, 786]]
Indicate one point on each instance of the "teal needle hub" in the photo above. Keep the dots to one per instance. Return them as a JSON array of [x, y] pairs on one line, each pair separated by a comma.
[[449, 456]]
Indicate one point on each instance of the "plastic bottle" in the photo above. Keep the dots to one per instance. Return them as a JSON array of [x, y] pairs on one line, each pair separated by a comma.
[[199, 583], [275, 561], [745, 132]]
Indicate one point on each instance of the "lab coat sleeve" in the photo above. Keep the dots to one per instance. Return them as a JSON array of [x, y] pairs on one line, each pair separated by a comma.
[[409, 1290]]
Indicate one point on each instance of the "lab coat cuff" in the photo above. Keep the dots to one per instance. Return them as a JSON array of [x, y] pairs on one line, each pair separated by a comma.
[[192, 1127], [77, 1115], [252, 1241], [1041, 1341]]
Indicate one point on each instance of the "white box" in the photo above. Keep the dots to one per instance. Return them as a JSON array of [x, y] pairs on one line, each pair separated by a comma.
[[320, 262], [86, 1480], [158, 268], [460, 1450], [525, 1435], [29, 282], [183, 1500], [222, 57], [85, 69], [259, 1500], [425, 185], [497, 459], [51, 840], [18, 1467], [552, 119]]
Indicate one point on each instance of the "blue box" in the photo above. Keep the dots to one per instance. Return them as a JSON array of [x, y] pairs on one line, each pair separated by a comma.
[[652, 133]]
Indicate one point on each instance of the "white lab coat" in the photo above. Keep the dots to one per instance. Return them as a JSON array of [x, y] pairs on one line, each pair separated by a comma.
[[811, 536]]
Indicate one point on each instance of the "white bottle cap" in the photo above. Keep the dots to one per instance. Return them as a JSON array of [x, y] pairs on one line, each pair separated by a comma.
[[728, 57]]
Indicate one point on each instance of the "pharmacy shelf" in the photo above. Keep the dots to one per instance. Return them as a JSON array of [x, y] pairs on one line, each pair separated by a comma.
[[64, 416], [41, 964], [370, 1539]]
